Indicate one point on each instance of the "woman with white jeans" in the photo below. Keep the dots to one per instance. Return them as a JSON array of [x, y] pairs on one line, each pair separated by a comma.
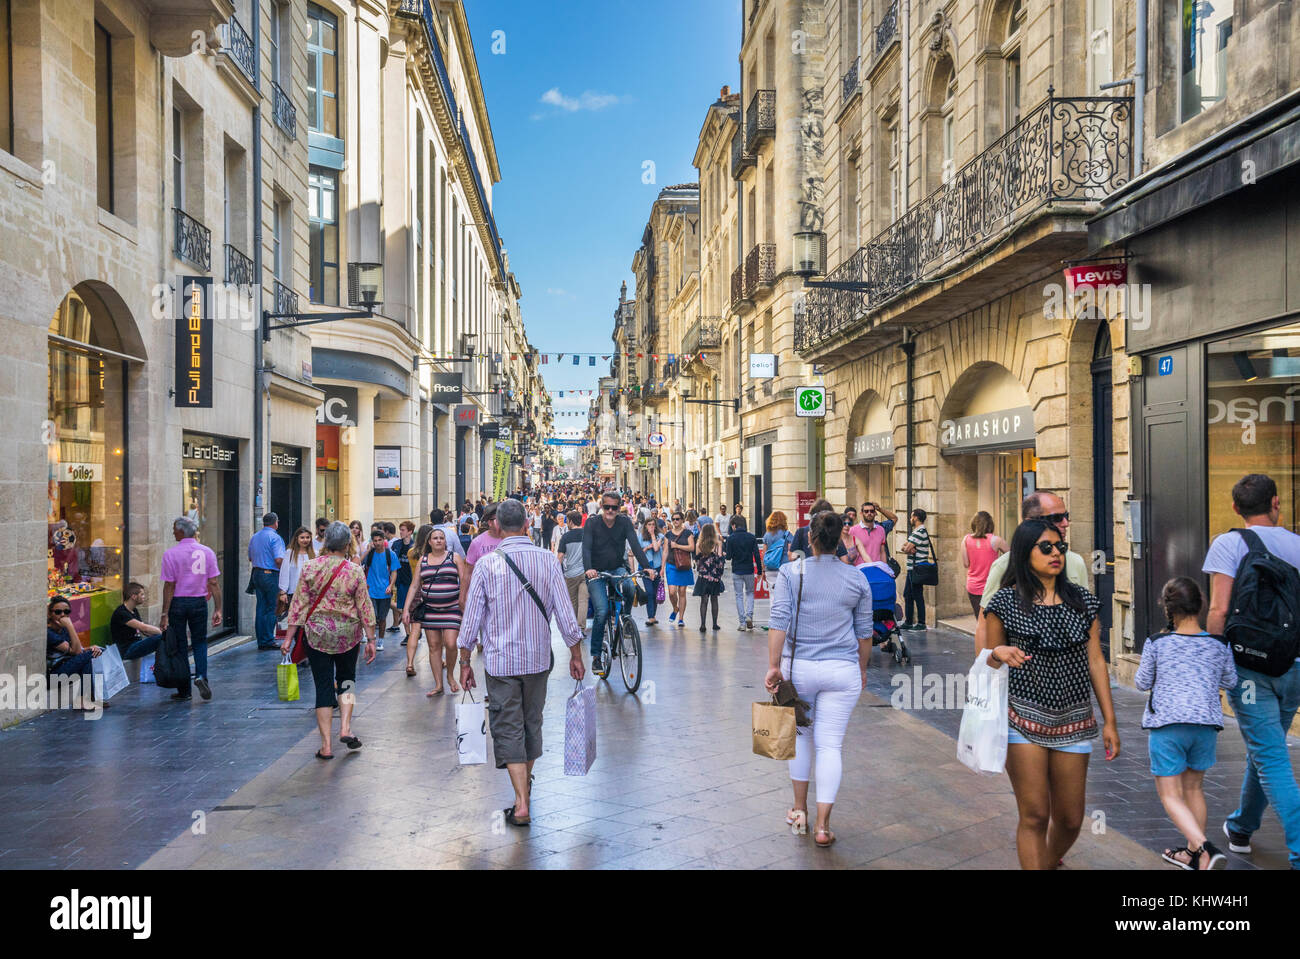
[[825, 606]]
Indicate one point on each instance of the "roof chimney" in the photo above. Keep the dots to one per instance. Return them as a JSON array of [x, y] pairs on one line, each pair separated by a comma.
[[726, 90]]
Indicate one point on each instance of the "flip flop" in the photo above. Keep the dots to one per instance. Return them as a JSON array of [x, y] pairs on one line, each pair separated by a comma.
[[433, 692], [350, 741], [320, 755], [510, 818]]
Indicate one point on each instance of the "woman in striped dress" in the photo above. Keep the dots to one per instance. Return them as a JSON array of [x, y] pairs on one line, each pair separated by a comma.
[[443, 580]]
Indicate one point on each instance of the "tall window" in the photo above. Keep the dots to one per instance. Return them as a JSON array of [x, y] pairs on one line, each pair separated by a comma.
[[178, 158], [421, 321], [446, 343], [851, 229], [895, 171], [277, 239], [103, 117], [323, 215], [1100, 46], [6, 79], [277, 37], [322, 72], [1011, 65], [1206, 27], [949, 130]]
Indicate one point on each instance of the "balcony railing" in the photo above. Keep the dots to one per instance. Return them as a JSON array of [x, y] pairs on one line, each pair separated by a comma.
[[760, 119], [239, 268], [760, 267], [283, 111], [1065, 149], [737, 285], [239, 45], [286, 301], [704, 334], [741, 158], [849, 82], [193, 241], [887, 28]]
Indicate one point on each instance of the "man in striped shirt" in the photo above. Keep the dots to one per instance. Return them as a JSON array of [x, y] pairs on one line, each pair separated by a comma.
[[920, 570], [514, 592]]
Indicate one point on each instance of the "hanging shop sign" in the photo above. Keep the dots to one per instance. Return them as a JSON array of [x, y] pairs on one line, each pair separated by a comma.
[[762, 366], [643, 462], [466, 415], [732, 468], [1003, 429], [656, 439], [810, 401], [489, 431], [339, 408], [208, 452], [194, 331], [872, 448], [286, 460], [388, 471], [1096, 275], [447, 388], [803, 500]]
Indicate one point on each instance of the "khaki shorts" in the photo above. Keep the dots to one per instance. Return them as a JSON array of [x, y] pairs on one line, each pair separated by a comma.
[[514, 708]]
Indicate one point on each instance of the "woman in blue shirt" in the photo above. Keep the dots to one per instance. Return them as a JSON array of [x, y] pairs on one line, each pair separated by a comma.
[[381, 565], [652, 544]]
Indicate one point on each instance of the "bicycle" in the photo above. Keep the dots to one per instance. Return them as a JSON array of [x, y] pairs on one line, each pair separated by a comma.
[[621, 640]]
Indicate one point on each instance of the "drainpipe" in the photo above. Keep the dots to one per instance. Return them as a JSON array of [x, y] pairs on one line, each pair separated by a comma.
[[908, 347], [261, 408]]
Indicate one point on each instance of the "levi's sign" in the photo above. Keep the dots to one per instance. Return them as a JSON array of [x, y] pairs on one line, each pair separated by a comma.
[[1096, 275], [1000, 429]]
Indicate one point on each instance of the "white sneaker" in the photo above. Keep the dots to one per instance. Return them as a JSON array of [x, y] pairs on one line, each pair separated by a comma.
[[379, 643]]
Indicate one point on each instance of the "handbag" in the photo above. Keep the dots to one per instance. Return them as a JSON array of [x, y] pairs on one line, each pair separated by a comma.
[[678, 563], [786, 694], [299, 652]]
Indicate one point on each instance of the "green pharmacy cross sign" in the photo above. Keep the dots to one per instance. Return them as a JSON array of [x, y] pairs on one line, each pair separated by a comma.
[[810, 401]]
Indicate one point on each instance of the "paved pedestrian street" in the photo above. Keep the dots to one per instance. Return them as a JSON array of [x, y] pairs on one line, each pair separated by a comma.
[[234, 782]]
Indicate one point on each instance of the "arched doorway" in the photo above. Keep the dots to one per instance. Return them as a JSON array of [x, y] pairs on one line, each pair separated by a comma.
[[870, 459], [1103, 485]]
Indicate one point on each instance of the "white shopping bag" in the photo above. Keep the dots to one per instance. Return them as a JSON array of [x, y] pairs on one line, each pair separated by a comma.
[[471, 732], [982, 741], [580, 731], [108, 664], [146, 669]]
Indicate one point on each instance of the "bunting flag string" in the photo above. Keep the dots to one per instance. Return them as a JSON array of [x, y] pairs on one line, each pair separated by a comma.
[[546, 357]]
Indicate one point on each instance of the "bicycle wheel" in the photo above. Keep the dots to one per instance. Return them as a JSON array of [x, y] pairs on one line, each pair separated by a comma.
[[606, 656], [629, 657]]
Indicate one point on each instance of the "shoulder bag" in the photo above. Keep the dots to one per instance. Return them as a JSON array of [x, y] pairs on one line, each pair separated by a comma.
[[786, 694], [299, 652], [678, 553], [519, 574]]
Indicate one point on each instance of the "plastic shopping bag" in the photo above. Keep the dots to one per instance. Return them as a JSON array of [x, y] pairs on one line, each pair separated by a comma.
[[286, 681], [108, 665], [660, 593], [982, 741], [580, 731], [471, 732], [146, 669]]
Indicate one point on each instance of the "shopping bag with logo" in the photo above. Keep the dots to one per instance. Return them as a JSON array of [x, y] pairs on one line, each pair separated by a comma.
[[661, 593], [471, 731], [773, 730], [580, 731], [108, 665], [982, 740], [286, 680], [146, 669]]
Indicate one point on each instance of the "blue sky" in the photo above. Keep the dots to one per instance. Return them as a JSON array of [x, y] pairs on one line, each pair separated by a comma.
[[583, 95]]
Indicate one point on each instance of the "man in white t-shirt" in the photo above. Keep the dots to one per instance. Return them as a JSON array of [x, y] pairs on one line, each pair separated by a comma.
[[593, 507], [1264, 705]]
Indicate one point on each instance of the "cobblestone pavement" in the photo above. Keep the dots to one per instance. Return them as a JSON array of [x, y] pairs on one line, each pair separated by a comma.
[[675, 784]]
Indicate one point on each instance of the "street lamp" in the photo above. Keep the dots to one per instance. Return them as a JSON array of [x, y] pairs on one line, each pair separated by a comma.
[[810, 253], [685, 392], [365, 286]]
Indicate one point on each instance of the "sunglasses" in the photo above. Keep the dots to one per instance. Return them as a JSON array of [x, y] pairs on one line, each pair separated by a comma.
[[1055, 518], [62, 611], [1061, 547], [677, 519], [609, 509]]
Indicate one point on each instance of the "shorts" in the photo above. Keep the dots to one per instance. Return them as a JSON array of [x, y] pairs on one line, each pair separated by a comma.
[[1179, 747], [1015, 739]]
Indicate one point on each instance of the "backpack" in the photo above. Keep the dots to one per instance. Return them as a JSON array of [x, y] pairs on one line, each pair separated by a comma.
[[1263, 623], [774, 555]]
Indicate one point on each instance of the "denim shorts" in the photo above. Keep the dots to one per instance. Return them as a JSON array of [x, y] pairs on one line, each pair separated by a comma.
[[1014, 738], [1181, 746]]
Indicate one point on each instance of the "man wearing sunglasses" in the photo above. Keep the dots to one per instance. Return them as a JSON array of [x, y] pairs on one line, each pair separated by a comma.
[[604, 543], [1037, 505]]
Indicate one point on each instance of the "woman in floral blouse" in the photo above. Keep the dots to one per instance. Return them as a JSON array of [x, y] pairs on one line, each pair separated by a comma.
[[333, 605]]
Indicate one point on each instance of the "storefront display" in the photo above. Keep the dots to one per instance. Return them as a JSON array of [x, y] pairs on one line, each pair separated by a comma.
[[210, 486]]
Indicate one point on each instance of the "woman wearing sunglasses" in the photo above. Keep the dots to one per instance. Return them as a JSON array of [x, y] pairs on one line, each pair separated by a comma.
[[1045, 629], [681, 549]]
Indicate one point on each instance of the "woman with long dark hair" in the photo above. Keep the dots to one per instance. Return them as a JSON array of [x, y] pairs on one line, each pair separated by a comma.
[[709, 566], [1046, 631]]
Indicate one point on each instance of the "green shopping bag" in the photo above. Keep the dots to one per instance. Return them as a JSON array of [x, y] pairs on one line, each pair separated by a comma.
[[286, 681]]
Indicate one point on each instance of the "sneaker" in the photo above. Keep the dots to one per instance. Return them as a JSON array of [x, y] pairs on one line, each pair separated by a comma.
[[703, 629], [180, 697], [906, 624], [403, 642], [681, 623], [379, 644], [749, 623], [1237, 841], [716, 626], [672, 617], [201, 684], [743, 627]]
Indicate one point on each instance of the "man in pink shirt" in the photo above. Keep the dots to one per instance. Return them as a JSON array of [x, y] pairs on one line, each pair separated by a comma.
[[486, 541], [189, 575], [870, 534]]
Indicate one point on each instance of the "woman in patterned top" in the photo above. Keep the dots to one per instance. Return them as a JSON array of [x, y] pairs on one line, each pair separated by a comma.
[[334, 592], [443, 579], [1046, 630], [709, 564]]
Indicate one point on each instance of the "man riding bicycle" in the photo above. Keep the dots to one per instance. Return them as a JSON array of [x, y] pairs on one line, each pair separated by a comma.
[[604, 543]]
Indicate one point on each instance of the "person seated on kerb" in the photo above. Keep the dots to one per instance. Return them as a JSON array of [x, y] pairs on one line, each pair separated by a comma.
[[64, 654]]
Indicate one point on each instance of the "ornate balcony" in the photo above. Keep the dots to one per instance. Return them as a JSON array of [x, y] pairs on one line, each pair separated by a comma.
[[238, 45], [283, 110], [760, 119], [704, 334], [760, 268], [737, 286], [741, 159], [1064, 153], [193, 241], [887, 28], [286, 301], [239, 268], [849, 82]]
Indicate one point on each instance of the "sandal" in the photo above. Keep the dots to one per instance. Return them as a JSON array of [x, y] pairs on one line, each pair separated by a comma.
[[321, 755], [410, 670], [350, 741], [1190, 863], [830, 838], [510, 818], [434, 692], [797, 819]]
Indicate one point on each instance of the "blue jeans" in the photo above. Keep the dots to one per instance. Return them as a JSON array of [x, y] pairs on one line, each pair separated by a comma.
[[651, 589], [1270, 777], [142, 646], [599, 593], [191, 612], [266, 584]]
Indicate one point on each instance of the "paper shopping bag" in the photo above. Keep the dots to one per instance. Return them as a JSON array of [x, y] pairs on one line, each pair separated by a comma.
[[471, 732], [286, 681], [774, 730], [580, 731], [108, 664], [982, 739], [146, 669]]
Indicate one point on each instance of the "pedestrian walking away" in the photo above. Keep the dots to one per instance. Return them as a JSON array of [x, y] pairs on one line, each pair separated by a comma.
[[265, 554], [979, 548], [513, 596], [746, 564], [709, 567], [190, 576]]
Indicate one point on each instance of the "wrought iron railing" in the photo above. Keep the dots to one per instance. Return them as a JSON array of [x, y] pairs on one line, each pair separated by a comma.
[[849, 82], [703, 334], [760, 267], [239, 268], [286, 301], [1065, 149], [193, 241], [738, 285], [239, 45], [887, 28], [283, 111], [760, 118], [741, 158]]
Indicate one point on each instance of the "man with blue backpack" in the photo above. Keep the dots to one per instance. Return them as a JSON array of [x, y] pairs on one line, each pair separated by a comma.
[[1255, 605]]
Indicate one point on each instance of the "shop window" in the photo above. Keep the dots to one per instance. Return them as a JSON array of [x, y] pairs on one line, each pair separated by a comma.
[[1205, 28], [1253, 389], [323, 215]]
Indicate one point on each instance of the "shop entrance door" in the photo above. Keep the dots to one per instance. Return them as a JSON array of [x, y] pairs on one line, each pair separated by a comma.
[[1103, 489], [286, 503], [460, 468], [210, 497]]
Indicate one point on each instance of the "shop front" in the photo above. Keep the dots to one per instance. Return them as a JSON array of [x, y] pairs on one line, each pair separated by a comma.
[[335, 415], [870, 458], [210, 494], [758, 466], [286, 488]]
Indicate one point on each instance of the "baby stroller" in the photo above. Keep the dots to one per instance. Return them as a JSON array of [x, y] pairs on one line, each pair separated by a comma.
[[885, 612]]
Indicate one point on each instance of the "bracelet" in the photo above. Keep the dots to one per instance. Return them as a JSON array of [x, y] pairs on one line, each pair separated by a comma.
[[993, 655]]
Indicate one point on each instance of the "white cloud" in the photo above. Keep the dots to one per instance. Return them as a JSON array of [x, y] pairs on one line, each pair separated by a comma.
[[550, 291], [587, 100]]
